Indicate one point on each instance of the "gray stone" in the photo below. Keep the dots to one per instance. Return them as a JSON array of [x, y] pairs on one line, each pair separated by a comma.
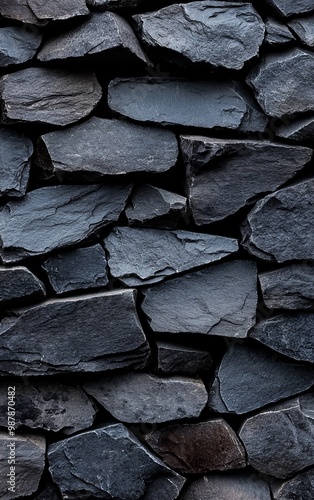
[[277, 34], [288, 8], [18, 10], [48, 96], [300, 487], [206, 104], [57, 216], [144, 398], [249, 378], [220, 300], [217, 33], [90, 333], [79, 269], [280, 440], [198, 448], [18, 284], [114, 5], [239, 170], [58, 10], [297, 130], [279, 227], [165, 488], [101, 147], [177, 358], [303, 27], [162, 254], [17, 45]]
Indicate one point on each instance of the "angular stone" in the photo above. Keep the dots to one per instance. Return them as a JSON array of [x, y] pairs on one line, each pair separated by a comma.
[[18, 10], [49, 406], [282, 83], [163, 253], [280, 440], [279, 227], [206, 104], [90, 333], [58, 10], [29, 453], [288, 8], [145, 398], [198, 448], [18, 284], [249, 378], [220, 300], [254, 167], [48, 96], [303, 27], [301, 486], [79, 269], [297, 130], [57, 216], [165, 488], [177, 358], [155, 207], [91, 147], [277, 34], [17, 45]]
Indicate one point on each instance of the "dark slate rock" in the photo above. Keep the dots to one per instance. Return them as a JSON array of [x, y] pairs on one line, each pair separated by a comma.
[[108, 462], [220, 300], [18, 10], [303, 27], [277, 34], [279, 227], [177, 358], [58, 10], [79, 269], [240, 170], [279, 94], [280, 440], [57, 216], [48, 96], [114, 5], [288, 8], [165, 488], [48, 491], [155, 207], [198, 448], [101, 147], [17, 45], [15, 152], [49, 406], [300, 487], [90, 333], [162, 253], [249, 378], [18, 284], [29, 451], [198, 31], [145, 398], [206, 104], [297, 130]]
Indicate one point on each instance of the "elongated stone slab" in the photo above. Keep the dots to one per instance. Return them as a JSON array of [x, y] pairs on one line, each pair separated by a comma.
[[277, 34], [17, 46], [301, 486], [18, 284], [288, 8], [177, 358], [301, 129]]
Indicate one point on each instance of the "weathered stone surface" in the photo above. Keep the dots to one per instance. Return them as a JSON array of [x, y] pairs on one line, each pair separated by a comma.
[[207, 104], [52, 96], [79, 269], [290, 287], [58, 216], [249, 378], [145, 398], [220, 300], [278, 34], [280, 440], [279, 227], [198, 31], [163, 253], [282, 83], [165, 488], [303, 27], [18, 284], [29, 453], [90, 333], [239, 170], [288, 8], [114, 4], [300, 487], [58, 10], [49, 406], [297, 130], [198, 448], [17, 45], [18, 10], [119, 466], [177, 358], [101, 147]]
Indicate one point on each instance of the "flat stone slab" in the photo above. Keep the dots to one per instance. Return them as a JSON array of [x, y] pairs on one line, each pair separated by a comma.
[[177, 358], [278, 34], [303, 27], [289, 8], [301, 486], [301, 129], [39, 12], [17, 45], [90, 333], [18, 285], [163, 253], [220, 300], [145, 398]]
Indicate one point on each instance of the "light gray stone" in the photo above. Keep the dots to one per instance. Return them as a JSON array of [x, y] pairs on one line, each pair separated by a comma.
[[288, 8], [58, 10], [277, 34], [303, 27]]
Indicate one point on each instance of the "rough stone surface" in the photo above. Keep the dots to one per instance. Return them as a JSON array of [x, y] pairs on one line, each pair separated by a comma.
[[240, 170], [18, 10], [48, 96], [163, 253], [90, 333], [113, 454], [145, 398], [220, 300], [278, 34], [177, 358], [279, 227], [300, 487], [79, 269], [249, 378], [58, 10], [303, 27], [198, 448], [288, 8], [18, 284], [114, 5], [17, 46], [280, 440], [297, 130], [57, 216], [165, 488]]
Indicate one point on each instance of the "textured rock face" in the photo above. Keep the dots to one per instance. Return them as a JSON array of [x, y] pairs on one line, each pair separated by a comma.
[[141, 397], [226, 306], [304, 29], [48, 96], [18, 284], [278, 34], [17, 45], [165, 488], [288, 8], [298, 130], [39, 12], [252, 167], [301, 486], [113, 4], [175, 358], [90, 333]]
